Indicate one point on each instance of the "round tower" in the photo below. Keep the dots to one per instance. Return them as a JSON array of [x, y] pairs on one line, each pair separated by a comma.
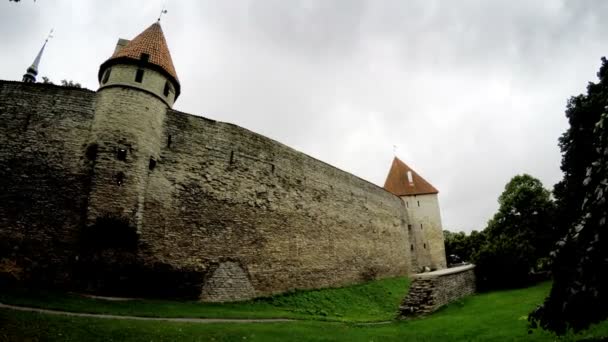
[[138, 83]]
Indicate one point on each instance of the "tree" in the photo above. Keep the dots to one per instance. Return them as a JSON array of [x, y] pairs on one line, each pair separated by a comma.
[[579, 296], [461, 245], [583, 112], [518, 237], [70, 83]]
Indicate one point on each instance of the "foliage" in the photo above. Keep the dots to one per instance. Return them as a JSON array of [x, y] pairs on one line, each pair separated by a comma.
[[577, 146], [374, 301], [518, 237], [461, 245], [579, 295], [495, 316], [70, 83], [64, 83]]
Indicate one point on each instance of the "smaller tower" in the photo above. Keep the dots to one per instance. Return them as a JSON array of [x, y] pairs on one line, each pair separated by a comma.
[[425, 231], [32, 71], [137, 85]]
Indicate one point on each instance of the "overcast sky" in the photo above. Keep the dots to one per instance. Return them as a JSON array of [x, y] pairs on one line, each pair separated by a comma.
[[471, 92]]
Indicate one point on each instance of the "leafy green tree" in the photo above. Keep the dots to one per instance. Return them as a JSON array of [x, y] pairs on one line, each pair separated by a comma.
[[519, 235], [462, 245], [579, 296]]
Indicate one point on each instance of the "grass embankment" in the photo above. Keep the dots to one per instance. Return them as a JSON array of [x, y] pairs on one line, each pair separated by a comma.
[[373, 301], [496, 316]]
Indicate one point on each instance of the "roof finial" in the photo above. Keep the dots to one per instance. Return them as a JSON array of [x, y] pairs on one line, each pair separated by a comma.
[[32, 71], [163, 11], [395, 150]]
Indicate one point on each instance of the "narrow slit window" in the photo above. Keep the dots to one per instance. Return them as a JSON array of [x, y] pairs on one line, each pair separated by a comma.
[[424, 246], [418, 203], [106, 76], [421, 226], [409, 227], [139, 75], [152, 164], [169, 140], [120, 178], [167, 89], [412, 247], [121, 154], [407, 204]]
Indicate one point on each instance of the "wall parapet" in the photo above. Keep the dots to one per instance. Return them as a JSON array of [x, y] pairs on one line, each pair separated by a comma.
[[430, 291]]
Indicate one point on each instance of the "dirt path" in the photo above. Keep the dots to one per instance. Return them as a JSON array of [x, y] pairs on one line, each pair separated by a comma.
[[138, 318]]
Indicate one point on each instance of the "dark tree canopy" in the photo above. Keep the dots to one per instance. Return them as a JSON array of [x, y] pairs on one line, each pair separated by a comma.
[[461, 245], [579, 295], [518, 237]]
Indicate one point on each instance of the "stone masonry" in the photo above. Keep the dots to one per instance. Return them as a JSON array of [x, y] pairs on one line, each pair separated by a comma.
[[430, 291], [218, 192], [114, 192]]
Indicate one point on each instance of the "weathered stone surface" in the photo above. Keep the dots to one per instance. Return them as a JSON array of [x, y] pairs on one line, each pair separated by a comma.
[[430, 291], [218, 194], [227, 282], [425, 232], [44, 177]]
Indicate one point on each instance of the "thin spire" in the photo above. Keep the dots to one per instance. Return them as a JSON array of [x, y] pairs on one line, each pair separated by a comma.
[[163, 11], [32, 71]]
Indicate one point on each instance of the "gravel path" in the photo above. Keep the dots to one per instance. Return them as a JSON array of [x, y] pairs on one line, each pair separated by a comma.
[[138, 318]]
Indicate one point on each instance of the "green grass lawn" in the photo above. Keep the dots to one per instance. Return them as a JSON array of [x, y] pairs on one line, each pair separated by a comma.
[[373, 301], [496, 316]]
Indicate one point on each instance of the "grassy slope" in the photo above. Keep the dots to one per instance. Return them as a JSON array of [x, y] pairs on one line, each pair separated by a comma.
[[373, 301], [497, 316]]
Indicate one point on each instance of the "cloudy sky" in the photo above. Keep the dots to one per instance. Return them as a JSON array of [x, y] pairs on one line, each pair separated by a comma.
[[470, 92]]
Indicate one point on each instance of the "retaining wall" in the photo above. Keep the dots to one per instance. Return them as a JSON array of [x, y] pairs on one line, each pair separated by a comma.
[[430, 291]]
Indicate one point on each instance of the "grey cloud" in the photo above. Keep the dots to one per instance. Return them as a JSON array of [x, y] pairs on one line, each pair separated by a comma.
[[472, 92]]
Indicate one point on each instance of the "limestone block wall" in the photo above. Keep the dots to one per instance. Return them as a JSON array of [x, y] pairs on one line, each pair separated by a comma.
[[221, 194], [153, 81], [43, 176], [426, 232], [225, 214], [430, 291], [130, 121]]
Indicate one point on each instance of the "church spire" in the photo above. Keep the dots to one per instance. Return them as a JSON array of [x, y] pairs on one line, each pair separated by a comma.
[[32, 71]]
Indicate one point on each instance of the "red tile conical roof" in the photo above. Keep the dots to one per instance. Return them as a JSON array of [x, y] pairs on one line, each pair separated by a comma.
[[403, 181], [151, 42]]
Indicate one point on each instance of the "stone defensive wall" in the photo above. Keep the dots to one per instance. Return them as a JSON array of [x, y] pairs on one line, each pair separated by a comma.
[[430, 291], [224, 197], [227, 213], [43, 179]]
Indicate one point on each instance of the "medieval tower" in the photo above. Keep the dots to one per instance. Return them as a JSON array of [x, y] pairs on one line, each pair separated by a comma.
[[422, 206], [113, 191], [138, 84]]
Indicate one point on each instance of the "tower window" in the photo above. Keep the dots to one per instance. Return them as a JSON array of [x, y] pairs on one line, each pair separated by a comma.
[[106, 76], [167, 88], [145, 57], [152, 164], [424, 245], [412, 247], [121, 154], [120, 178], [139, 76], [410, 179], [407, 204], [409, 227], [418, 203], [421, 226]]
